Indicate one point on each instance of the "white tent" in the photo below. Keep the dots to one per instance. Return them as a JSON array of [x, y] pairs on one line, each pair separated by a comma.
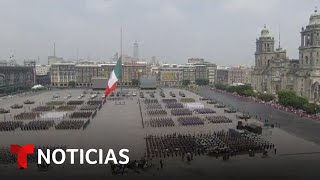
[[39, 86], [193, 106]]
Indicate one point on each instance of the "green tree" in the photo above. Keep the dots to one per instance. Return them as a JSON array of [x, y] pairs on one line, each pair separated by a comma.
[[311, 108], [202, 82], [185, 82], [72, 84], [290, 98], [135, 82], [266, 97], [220, 86]]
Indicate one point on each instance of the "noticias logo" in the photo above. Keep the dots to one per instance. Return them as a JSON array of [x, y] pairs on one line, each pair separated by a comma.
[[59, 156]]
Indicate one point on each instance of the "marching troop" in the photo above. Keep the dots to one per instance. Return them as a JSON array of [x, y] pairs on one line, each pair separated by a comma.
[[153, 106], [181, 112], [43, 108], [169, 100], [70, 124], [205, 111], [55, 103], [77, 102], [10, 125], [190, 121], [27, 116], [66, 108], [156, 112], [218, 119], [187, 100], [82, 114], [37, 125], [161, 122], [217, 143], [174, 105]]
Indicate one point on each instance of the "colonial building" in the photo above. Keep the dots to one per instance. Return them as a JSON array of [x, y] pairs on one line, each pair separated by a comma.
[[211, 72], [271, 65], [308, 75], [170, 75], [16, 77], [274, 71], [239, 75], [43, 74], [189, 73], [62, 74], [84, 74], [222, 75], [131, 71]]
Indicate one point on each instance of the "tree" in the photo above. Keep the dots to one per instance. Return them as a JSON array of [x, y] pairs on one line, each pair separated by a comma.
[[185, 82], [202, 82], [220, 86], [266, 97], [290, 98], [311, 108], [72, 84], [135, 82]]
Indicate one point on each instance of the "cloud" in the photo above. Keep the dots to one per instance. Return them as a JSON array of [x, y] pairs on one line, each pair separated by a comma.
[[249, 6], [172, 12], [100, 6]]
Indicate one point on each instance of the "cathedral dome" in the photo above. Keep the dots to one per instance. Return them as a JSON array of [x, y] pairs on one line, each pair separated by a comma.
[[265, 32], [314, 18]]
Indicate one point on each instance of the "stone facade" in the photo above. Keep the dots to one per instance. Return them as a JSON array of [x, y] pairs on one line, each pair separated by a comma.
[[82, 74], [62, 74], [170, 75], [16, 77], [274, 71], [222, 76], [308, 76]]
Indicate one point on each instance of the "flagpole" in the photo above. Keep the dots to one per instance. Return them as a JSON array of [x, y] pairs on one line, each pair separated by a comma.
[[121, 59]]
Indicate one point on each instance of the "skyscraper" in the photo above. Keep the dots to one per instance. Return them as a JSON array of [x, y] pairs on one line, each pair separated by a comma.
[[136, 51]]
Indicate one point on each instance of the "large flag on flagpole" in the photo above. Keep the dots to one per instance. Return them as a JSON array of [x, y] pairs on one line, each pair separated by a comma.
[[114, 78]]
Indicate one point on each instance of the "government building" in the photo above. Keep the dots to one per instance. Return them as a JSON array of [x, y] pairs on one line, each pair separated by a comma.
[[274, 71]]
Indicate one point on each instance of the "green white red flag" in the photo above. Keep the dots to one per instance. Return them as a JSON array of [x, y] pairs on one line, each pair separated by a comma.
[[114, 78]]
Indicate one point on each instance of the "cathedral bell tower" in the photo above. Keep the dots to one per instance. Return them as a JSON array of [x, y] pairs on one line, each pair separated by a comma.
[[264, 49]]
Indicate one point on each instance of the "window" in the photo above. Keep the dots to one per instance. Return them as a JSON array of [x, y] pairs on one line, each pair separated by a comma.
[[306, 59]]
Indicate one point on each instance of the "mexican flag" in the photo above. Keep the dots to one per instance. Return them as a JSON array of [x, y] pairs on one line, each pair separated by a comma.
[[114, 78]]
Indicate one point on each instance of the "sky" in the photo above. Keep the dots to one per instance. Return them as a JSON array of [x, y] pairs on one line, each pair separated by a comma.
[[220, 31]]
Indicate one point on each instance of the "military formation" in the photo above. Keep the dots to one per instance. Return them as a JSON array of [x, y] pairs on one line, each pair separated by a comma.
[[157, 112], [66, 108], [27, 116], [153, 106], [78, 102], [205, 111], [43, 108], [190, 121], [217, 144], [174, 105], [37, 125], [70, 124], [181, 112], [160, 122], [81, 114], [55, 103], [218, 119], [66, 115], [220, 143], [187, 100], [10, 125]]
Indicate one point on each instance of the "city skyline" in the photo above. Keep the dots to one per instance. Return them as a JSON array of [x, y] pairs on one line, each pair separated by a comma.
[[171, 30]]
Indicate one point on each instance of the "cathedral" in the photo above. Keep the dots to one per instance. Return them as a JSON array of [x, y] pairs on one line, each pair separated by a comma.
[[274, 71]]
